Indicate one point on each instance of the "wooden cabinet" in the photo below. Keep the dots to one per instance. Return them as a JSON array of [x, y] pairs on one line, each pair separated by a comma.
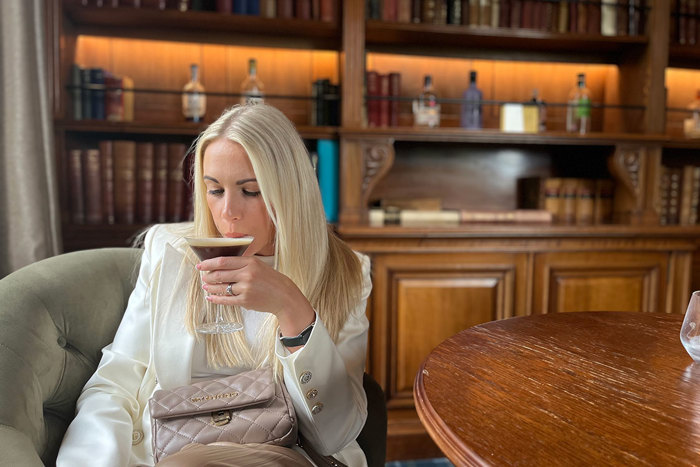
[[431, 283]]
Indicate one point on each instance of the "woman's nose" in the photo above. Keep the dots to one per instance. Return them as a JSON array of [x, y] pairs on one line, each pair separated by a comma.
[[231, 211]]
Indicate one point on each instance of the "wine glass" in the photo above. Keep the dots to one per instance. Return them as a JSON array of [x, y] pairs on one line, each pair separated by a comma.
[[690, 330], [213, 247]]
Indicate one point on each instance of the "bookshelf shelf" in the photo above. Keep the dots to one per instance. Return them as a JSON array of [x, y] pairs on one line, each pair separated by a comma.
[[203, 27], [525, 231], [496, 137], [159, 128], [504, 43], [684, 56]]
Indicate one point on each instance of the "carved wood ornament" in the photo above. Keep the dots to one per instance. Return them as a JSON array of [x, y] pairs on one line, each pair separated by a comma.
[[377, 159]]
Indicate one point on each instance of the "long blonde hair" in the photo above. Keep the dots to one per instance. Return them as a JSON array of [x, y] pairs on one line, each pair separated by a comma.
[[324, 268]]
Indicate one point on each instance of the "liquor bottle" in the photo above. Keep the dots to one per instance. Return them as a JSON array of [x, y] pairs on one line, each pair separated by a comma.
[[578, 109], [194, 101], [252, 87], [471, 115], [691, 126], [541, 110], [426, 110]]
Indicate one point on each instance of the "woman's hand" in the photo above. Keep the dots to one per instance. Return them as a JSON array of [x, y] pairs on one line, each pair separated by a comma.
[[256, 286]]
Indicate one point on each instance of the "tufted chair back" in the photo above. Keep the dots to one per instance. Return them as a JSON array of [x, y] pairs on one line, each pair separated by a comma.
[[56, 315]]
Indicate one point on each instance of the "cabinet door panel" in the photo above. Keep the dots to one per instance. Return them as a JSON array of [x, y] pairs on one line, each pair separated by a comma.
[[600, 281], [420, 300]]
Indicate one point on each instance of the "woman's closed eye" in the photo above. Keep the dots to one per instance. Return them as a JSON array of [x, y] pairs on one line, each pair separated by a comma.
[[252, 193], [216, 192]]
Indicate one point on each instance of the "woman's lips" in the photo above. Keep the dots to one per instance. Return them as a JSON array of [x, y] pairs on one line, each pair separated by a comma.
[[234, 235]]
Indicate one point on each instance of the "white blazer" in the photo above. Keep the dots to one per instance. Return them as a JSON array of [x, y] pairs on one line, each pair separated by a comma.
[[152, 350]]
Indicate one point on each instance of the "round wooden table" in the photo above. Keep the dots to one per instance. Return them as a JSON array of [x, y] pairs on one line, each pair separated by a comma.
[[598, 388]]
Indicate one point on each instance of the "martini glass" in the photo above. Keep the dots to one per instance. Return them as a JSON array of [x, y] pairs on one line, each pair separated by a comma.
[[213, 247]]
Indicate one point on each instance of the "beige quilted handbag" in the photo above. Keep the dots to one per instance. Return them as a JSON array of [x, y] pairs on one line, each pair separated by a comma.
[[250, 407]]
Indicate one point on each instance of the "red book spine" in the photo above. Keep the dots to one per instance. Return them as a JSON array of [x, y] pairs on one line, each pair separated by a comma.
[[144, 182], [224, 6], [124, 181], [303, 9], [395, 92], [373, 104], [75, 175], [389, 10], [160, 182], [107, 170], [285, 9], [93, 186], [384, 104], [329, 10], [176, 184]]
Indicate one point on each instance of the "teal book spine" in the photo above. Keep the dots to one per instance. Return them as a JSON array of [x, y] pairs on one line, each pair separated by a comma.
[[328, 177]]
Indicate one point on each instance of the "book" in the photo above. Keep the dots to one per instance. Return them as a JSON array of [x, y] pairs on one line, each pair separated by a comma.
[[285, 9], [268, 8], [176, 184], [541, 193], [128, 98], [384, 103], [690, 189], [76, 92], [567, 200], [328, 162], [585, 205], [114, 98], [76, 195], [593, 17], [107, 171], [373, 90], [674, 195], [403, 11], [394, 93], [92, 177], [455, 217], [160, 182], [563, 16], [389, 10], [86, 93], [302, 9], [124, 181], [144, 182], [226, 6], [603, 201], [97, 95], [622, 17]]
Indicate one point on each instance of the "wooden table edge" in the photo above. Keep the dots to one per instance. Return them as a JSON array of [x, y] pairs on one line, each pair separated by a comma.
[[445, 439]]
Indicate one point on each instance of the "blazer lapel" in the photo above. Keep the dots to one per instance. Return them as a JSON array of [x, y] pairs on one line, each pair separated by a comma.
[[173, 345]]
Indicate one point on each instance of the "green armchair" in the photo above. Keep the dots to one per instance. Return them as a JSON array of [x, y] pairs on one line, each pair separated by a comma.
[[56, 315]]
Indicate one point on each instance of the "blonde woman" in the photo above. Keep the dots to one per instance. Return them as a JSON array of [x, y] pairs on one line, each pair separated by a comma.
[[252, 176]]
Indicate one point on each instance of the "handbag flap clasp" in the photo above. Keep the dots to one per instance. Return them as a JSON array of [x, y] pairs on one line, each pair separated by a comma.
[[221, 418]]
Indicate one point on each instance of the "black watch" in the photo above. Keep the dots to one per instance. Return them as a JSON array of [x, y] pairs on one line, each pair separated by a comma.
[[296, 341]]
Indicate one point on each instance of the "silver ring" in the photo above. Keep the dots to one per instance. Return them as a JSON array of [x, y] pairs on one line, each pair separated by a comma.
[[228, 289]]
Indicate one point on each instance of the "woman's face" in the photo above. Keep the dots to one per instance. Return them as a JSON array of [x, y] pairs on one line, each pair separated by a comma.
[[233, 196]]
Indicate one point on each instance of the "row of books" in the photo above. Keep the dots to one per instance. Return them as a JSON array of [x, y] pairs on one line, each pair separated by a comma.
[[685, 21], [379, 217], [607, 17], [101, 95], [569, 200], [325, 103], [679, 194], [128, 182], [320, 10], [382, 112]]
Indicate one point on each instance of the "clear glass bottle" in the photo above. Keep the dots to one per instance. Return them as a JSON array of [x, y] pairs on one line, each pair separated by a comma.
[[578, 110], [471, 114], [194, 101], [694, 108], [252, 87], [541, 110], [426, 110]]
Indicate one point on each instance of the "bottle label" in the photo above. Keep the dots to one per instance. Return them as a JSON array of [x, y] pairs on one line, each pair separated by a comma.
[[195, 105], [583, 108], [252, 99], [425, 115]]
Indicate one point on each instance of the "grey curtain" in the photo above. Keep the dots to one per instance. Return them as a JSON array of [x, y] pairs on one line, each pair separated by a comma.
[[29, 211]]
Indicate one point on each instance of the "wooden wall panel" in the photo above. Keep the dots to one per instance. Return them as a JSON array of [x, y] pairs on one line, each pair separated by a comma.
[[421, 299], [597, 281]]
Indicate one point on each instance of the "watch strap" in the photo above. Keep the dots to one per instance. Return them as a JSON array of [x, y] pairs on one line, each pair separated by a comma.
[[296, 341]]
